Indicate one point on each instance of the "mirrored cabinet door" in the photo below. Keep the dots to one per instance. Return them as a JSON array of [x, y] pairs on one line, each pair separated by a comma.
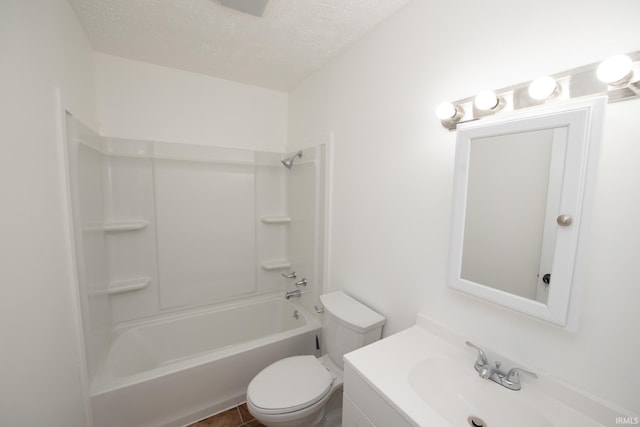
[[519, 206]]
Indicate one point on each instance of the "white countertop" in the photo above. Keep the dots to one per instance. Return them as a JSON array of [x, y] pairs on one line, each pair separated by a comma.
[[386, 364]]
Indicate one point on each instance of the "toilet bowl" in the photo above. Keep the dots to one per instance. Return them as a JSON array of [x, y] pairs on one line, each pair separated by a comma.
[[293, 392]]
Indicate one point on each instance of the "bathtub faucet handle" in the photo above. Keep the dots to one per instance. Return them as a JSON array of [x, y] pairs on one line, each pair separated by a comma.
[[291, 275], [302, 282]]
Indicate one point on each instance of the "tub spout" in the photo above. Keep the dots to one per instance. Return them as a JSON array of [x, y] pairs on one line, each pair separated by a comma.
[[295, 293]]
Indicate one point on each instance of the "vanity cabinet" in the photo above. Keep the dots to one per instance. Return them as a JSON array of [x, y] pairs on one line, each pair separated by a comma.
[[352, 416], [363, 406]]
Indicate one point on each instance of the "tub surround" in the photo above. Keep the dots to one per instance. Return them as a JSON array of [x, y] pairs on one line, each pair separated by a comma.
[[141, 204]]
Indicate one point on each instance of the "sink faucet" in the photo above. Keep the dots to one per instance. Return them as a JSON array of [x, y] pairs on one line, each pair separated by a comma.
[[510, 379], [295, 293]]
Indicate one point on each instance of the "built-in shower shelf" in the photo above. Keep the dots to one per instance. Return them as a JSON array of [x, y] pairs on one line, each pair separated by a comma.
[[125, 225], [276, 265], [128, 285], [276, 219]]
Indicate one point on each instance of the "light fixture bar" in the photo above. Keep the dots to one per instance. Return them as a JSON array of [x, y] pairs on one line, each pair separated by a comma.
[[574, 83]]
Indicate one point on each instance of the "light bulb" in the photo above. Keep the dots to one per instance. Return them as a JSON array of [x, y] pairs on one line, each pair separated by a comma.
[[543, 87], [446, 111], [615, 70], [486, 100]]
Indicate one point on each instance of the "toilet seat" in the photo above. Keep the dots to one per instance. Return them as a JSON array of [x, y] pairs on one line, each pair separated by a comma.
[[290, 385]]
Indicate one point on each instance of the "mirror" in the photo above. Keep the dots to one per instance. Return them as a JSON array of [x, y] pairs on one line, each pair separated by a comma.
[[511, 201], [522, 190]]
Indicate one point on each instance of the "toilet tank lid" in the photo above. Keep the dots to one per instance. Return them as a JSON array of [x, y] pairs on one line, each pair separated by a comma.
[[351, 313]]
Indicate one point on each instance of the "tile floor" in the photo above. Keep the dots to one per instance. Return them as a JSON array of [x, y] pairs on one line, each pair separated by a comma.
[[234, 417]]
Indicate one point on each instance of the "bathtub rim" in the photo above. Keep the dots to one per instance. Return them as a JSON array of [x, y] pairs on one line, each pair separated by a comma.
[[104, 382], [179, 313]]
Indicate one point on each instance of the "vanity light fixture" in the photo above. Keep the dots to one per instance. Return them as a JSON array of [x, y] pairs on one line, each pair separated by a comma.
[[543, 87], [619, 73], [449, 114]]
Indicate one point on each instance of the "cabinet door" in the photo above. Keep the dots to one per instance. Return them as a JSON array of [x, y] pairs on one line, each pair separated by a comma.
[[352, 416]]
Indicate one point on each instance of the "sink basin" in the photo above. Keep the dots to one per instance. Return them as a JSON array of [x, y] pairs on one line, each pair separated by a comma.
[[456, 392]]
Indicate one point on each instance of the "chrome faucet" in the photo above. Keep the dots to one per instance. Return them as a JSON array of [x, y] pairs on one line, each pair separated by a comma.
[[296, 293], [510, 379]]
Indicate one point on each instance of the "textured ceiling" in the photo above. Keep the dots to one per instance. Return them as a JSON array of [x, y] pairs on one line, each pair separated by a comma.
[[292, 39]]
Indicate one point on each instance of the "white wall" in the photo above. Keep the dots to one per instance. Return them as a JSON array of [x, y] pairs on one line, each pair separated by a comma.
[[137, 100], [393, 174], [43, 47]]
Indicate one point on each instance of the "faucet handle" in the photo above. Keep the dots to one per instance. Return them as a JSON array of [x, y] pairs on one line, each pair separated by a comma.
[[482, 357], [513, 374], [291, 275], [302, 282]]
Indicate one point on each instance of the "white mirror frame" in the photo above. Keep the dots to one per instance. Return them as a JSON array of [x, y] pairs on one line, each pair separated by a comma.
[[584, 122]]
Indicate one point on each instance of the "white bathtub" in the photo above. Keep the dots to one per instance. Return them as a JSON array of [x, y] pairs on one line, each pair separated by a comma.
[[177, 369]]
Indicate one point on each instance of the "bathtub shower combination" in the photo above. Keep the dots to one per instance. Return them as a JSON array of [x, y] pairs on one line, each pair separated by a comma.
[[180, 368], [180, 251]]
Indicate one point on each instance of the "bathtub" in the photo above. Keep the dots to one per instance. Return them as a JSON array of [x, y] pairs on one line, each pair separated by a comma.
[[179, 368]]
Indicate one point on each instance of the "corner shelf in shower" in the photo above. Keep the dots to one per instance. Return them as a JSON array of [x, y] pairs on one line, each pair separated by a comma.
[[276, 219], [116, 226], [275, 265], [128, 285]]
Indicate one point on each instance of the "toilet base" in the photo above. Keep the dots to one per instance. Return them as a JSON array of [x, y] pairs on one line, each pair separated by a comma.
[[333, 412], [328, 414], [312, 419]]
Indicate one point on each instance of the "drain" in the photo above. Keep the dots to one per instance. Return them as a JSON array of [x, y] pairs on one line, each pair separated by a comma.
[[476, 422]]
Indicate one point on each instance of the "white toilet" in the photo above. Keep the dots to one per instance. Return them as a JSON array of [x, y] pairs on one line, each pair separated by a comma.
[[293, 392]]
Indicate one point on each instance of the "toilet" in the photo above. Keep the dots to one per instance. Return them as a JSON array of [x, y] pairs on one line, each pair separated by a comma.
[[293, 392]]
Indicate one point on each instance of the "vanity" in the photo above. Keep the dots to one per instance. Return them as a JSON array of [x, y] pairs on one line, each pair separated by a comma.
[[425, 376], [521, 205]]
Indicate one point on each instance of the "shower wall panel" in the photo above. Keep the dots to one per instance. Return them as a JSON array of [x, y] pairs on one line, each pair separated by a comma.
[[271, 239], [206, 231], [305, 204], [132, 254], [86, 175], [139, 176]]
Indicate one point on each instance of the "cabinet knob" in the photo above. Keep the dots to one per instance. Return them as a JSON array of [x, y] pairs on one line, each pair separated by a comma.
[[564, 220]]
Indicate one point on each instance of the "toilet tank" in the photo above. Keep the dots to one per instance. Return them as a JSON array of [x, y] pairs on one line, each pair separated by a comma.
[[347, 325]]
